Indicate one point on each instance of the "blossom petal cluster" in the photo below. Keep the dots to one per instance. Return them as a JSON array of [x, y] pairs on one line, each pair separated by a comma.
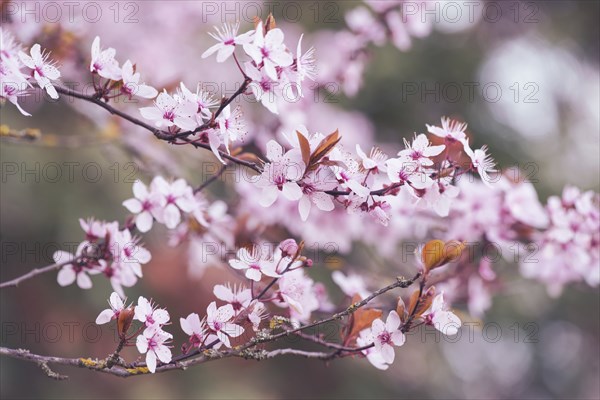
[[107, 250]]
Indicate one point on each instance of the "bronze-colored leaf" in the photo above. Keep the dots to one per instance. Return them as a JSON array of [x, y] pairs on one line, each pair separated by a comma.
[[361, 319], [432, 254], [324, 147], [270, 23], [401, 309], [124, 321], [304, 147], [436, 253]]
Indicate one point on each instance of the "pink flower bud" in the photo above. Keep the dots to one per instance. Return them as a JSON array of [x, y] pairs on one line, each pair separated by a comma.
[[288, 247]]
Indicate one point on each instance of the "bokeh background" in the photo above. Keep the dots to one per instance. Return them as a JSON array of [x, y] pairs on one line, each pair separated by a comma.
[[544, 57]]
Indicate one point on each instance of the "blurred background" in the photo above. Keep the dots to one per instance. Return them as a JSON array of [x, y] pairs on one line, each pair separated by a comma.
[[525, 75]]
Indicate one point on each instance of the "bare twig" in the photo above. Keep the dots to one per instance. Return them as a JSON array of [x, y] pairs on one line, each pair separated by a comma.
[[34, 272]]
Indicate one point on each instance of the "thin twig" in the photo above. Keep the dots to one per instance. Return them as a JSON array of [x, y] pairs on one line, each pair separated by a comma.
[[34, 272]]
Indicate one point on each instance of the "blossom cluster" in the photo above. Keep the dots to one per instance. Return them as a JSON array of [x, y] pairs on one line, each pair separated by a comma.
[[316, 170], [569, 247], [381, 337], [151, 339], [107, 250], [18, 70], [380, 23]]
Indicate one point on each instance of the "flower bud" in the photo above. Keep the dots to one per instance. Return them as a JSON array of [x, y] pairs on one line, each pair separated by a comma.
[[124, 321], [288, 247]]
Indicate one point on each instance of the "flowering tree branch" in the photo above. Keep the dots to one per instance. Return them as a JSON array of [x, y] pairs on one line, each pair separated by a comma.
[[111, 365]]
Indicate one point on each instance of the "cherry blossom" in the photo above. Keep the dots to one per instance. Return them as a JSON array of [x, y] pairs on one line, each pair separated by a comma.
[[305, 63], [364, 339], [420, 151], [281, 174], [257, 312], [12, 91], [150, 315], [238, 297], [178, 197], [116, 306], [452, 131], [269, 50], [103, 62], [131, 83], [375, 161], [387, 334], [203, 99], [402, 170], [482, 161], [153, 343], [169, 112], [264, 88], [231, 126], [78, 270], [146, 205], [296, 291], [441, 319], [228, 38], [313, 185], [197, 331], [128, 253], [219, 321], [43, 70], [255, 263]]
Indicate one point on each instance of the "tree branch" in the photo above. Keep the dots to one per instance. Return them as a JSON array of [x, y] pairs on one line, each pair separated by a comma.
[[34, 272], [247, 350]]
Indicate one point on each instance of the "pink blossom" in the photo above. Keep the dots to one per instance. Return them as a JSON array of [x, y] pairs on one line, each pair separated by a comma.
[[146, 205], [451, 130], [420, 150], [203, 99], [168, 112], [132, 86], [43, 71], [116, 306], [103, 62], [11, 91], [228, 39], [219, 321], [374, 356], [178, 197], [269, 50], [296, 291], [440, 318], [313, 185], [264, 88], [231, 125], [76, 271], [281, 174], [387, 334], [238, 297], [153, 343], [128, 253], [375, 161], [257, 312], [150, 315], [254, 263], [196, 330], [404, 170], [481, 161]]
